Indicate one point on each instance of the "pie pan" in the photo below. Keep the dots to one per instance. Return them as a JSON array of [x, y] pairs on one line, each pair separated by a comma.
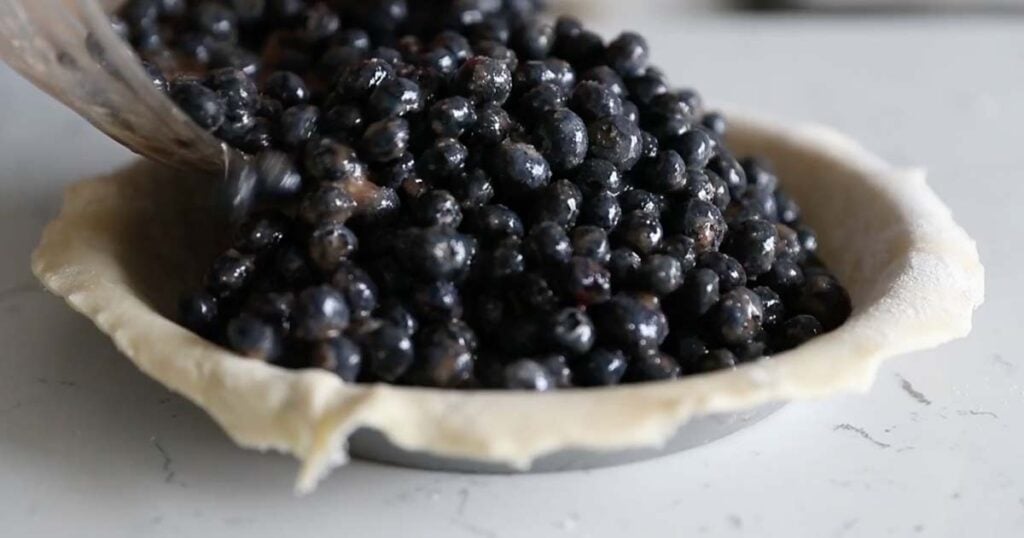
[[124, 246]]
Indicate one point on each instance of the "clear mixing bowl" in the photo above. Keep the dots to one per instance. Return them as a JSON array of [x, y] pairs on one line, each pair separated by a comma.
[[69, 50]]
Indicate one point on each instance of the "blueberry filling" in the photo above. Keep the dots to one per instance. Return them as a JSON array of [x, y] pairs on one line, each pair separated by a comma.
[[461, 194]]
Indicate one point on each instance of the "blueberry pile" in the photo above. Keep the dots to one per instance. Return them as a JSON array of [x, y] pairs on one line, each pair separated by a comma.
[[460, 194]]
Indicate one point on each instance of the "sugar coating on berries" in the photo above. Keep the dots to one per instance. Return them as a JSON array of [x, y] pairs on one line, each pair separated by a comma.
[[467, 195]]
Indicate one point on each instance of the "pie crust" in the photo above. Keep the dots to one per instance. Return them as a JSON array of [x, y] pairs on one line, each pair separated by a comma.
[[125, 245]]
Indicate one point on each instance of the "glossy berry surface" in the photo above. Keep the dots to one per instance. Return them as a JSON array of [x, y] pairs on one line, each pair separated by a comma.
[[465, 194]]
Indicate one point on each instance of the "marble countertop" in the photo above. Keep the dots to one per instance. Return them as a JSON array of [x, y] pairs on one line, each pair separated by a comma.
[[91, 447]]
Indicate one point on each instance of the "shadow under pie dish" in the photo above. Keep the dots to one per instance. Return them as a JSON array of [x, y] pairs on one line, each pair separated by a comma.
[[125, 246]]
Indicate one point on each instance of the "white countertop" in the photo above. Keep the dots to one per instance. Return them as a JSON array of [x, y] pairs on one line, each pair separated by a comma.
[[91, 447]]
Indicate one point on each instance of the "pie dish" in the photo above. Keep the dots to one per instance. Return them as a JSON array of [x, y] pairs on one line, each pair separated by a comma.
[[125, 246]]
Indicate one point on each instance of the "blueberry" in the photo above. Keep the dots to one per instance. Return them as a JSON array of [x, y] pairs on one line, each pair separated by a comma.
[[394, 173], [492, 124], [688, 351], [358, 288], [198, 312], [630, 323], [472, 189], [519, 168], [328, 203], [446, 363], [261, 233], [785, 277], [339, 355], [484, 80], [787, 208], [297, 125], [651, 147], [721, 196], [628, 54], [824, 298], [359, 81], [700, 221], [598, 175], [759, 174], [400, 316], [494, 222], [395, 97], [788, 244], [562, 139], [320, 313], [386, 140], [661, 274], [572, 331], [343, 121], [808, 239], [329, 160], [533, 40], [452, 116], [594, 100], [729, 270], [646, 87], [498, 51], [773, 309], [642, 201], [540, 103], [624, 265], [438, 208], [454, 43], [681, 248], [695, 147], [216, 21], [698, 295], [558, 366], [652, 367], [444, 159], [257, 138], [700, 187], [531, 74], [591, 242], [714, 122], [234, 86], [253, 338], [201, 104], [438, 301], [606, 76], [526, 374], [600, 367], [631, 112], [435, 253], [287, 88], [639, 231], [738, 316], [601, 210], [616, 140], [230, 272], [731, 172], [548, 245], [504, 261], [718, 359], [293, 266], [753, 243], [588, 281], [387, 352], [795, 331], [559, 203], [331, 243], [221, 54], [584, 48]]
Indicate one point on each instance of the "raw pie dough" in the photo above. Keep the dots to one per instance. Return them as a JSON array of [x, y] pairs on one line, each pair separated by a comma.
[[125, 246]]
